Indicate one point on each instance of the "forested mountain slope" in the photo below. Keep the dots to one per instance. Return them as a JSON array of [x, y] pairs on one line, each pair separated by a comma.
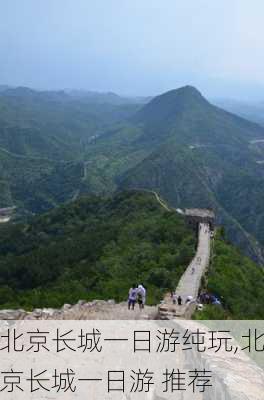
[[202, 155], [53, 125], [93, 248], [43, 141], [35, 185], [191, 152], [236, 280], [96, 248]]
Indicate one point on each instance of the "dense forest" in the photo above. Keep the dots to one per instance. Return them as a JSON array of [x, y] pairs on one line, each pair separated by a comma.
[[97, 247], [236, 280], [94, 248]]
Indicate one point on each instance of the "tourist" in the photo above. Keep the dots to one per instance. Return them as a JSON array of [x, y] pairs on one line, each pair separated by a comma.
[[207, 298], [179, 301], [132, 297], [189, 299], [141, 296], [201, 297], [174, 298]]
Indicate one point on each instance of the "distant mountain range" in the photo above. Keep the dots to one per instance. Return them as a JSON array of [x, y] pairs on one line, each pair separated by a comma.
[[254, 111], [107, 97], [58, 145], [87, 95], [43, 139]]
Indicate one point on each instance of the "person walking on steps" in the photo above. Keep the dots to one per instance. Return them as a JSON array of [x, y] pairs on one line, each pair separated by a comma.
[[179, 301], [132, 297]]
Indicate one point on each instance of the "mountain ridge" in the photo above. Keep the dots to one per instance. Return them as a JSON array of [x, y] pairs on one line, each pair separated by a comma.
[[178, 144]]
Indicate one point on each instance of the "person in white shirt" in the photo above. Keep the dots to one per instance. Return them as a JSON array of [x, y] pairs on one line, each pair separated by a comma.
[[189, 299], [141, 295]]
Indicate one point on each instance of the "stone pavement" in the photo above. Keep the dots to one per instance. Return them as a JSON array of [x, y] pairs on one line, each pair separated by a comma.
[[191, 279], [94, 310]]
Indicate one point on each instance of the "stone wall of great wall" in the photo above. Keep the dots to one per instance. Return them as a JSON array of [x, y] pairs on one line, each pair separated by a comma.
[[235, 377], [190, 281], [83, 310]]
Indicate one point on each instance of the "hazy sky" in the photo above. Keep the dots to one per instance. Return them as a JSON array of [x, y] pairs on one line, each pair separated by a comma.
[[134, 46]]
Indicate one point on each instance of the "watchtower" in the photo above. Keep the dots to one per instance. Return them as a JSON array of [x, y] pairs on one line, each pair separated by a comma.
[[195, 216]]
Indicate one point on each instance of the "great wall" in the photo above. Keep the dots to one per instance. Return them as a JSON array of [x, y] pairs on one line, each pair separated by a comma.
[[235, 377], [201, 220]]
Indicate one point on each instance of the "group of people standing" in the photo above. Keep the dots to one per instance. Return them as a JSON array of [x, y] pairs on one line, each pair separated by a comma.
[[208, 298], [137, 294], [176, 299]]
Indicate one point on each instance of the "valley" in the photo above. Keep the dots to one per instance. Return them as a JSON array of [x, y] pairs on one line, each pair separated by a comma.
[[177, 144], [177, 147]]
